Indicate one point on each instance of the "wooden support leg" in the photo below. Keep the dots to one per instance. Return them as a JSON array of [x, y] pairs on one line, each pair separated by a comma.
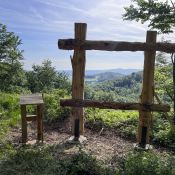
[[147, 91], [24, 123], [77, 129], [78, 65], [40, 122]]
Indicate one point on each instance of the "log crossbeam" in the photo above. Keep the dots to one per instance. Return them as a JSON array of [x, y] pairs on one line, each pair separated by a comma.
[[114, 105], [75, 44], [79, 44]]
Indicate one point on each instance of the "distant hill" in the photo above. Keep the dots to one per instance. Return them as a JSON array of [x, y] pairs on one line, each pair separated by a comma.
[[126, 88], [124, 71], [100, 77], [94, 72]]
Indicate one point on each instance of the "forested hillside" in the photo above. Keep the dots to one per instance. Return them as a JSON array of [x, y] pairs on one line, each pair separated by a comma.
[[123, 89], [111, 134]]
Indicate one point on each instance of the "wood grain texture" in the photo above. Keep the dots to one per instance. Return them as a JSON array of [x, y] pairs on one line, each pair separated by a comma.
[[78, 64], [40, 122], [31, 99], [78, 44], [24, 123], [147, 95], [114, 105]]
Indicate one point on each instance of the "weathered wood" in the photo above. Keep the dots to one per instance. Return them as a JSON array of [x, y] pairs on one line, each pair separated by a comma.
[[78, 44], [114, 105], [147, 91], [78, 65], [76, 129], [31, 99], [40, 122], [24, 123], [31, 118]]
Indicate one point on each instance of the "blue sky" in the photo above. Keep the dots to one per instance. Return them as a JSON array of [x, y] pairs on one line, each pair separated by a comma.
[[40, 23]]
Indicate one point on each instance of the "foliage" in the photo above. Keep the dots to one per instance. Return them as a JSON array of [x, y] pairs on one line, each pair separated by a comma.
[[162, 132], [45, 77], [121, 89], [56, 159], [52, 160], [53, 111], [164, 78], [161, 15], [124, 123], [12, 75], [144, 163], [9, 112]]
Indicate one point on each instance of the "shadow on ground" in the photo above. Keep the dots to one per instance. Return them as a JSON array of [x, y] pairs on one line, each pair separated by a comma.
[[60, 159]]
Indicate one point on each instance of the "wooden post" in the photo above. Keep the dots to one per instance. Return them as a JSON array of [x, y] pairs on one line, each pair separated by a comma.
[[147, 91], [77, 130], [24, 123], [78, 65], [39, 122]]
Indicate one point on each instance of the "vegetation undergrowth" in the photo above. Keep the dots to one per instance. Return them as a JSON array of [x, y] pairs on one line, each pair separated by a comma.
[[125, 124], [51, 160], [9, 112], [144, 163], [52, 109], [59, 159]]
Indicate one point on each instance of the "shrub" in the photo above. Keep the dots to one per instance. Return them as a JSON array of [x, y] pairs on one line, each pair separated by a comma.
[[124, 122], [52, 109], [9, 112], [144, 163]]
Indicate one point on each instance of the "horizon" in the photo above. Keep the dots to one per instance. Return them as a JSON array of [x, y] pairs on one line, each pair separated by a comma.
[[101, 69], [44, 22]]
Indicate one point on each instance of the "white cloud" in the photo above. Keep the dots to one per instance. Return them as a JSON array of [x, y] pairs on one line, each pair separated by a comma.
[[40, 23]]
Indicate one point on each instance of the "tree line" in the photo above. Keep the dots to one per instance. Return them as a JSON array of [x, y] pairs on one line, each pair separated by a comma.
[[13, 77]]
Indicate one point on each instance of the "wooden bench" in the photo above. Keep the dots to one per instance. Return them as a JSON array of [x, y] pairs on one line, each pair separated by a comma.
[[35, 100]]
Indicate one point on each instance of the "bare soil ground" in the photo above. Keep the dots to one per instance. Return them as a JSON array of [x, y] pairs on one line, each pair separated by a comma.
[[104, 145]]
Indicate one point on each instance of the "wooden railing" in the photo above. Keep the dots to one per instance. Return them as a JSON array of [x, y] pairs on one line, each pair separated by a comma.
[[79, 44]]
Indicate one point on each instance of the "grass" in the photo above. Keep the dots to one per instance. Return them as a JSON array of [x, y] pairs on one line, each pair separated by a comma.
[[125, 124], [68, 159], [144, 163], [55, 159], [9, 112], [58, 159]]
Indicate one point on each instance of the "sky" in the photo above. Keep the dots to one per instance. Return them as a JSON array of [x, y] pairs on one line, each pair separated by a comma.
[[40, 23]]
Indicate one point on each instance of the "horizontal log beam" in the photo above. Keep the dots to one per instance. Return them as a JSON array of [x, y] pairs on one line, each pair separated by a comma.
[[114, 105], [73, 44]]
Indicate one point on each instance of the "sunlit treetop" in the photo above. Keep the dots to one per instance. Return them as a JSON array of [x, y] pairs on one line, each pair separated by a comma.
[[160, 15]]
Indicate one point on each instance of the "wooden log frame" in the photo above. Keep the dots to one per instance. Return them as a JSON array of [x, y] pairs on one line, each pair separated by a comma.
[[114, 105], [74, 44], [80, 44]]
